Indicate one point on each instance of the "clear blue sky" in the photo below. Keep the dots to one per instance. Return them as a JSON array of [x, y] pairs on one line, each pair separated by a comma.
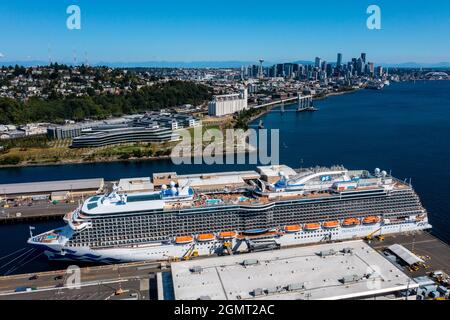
[[217, 30]]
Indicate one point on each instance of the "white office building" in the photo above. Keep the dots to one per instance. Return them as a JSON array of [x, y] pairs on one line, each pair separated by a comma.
[[228, 103]]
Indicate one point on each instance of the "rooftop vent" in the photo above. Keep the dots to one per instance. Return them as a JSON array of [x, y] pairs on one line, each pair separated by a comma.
[[257, 292], [350, 279], [347, 250], [296, 286], [326, 253], [249, 262], [196, 269]]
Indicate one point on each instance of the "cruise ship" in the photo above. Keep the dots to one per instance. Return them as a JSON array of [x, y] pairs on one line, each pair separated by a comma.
[[228, 212]]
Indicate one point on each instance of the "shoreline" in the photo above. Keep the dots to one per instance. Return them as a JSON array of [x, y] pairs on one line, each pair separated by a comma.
[[78, 162], [159, 158], [331, 94]]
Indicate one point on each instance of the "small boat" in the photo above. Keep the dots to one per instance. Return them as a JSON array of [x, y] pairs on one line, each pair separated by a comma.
[[292, 228], [184, 239], [351, 222], [312, 226], [204, 237], [227, 235], [330, 224], [371, 220]]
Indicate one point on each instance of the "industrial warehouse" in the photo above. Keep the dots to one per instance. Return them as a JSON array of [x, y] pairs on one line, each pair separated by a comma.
[[347, 270], [51, 189]]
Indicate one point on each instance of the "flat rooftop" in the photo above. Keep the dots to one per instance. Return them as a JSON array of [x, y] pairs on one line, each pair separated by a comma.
[[248, 174], [51, 186], [288, 274], [135, 184], [199, 182], [274, 171]]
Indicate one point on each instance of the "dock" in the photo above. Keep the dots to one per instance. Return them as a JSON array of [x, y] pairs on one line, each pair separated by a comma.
[[37, 212], [139, 280]]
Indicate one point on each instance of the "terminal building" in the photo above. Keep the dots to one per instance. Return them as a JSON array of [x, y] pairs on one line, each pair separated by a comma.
[[333, 271], [51, 189], [222, 105]]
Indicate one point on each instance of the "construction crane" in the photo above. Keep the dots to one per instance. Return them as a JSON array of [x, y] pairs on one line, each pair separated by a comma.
[[379, 237]]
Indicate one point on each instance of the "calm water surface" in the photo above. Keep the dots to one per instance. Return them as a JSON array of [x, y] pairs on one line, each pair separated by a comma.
[[404, 128]]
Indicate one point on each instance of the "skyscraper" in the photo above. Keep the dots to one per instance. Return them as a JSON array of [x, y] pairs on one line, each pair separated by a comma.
[[339, 60], [318, 62], [363, 57]]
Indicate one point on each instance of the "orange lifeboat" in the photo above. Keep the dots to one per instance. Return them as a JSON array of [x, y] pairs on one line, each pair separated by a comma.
[[330, 224], [350, 222], [312, 226], [292, 228], [227, 235], [371, 220], [183, 239], [204, 237]]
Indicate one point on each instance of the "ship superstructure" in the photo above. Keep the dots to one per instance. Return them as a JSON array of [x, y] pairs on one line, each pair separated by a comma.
[[224, 213]]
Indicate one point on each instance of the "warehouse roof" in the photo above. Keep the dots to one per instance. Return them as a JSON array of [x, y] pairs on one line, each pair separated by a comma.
[[51, 186], [294, 273], [404, 254], [135, 184]]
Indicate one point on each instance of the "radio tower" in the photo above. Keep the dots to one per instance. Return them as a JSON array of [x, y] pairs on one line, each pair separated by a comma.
[[49, 55], [74, 57], [260, 71]]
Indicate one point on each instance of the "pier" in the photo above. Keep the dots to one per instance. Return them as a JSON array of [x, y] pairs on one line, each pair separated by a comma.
[[142, 280], [305, 104]]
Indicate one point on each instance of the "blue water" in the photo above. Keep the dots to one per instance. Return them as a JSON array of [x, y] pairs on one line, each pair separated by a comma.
[[404, 128]]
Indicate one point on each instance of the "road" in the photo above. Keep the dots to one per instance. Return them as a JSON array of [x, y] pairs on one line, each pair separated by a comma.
[[96, 283]]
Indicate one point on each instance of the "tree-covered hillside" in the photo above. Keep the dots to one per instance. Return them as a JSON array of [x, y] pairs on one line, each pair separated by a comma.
[[57, 109]]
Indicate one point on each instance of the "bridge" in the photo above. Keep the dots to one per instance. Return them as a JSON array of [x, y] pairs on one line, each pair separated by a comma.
[[436, 74]]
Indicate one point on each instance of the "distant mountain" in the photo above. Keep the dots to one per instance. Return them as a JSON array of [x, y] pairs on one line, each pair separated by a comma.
[[26, 63], [178, 64], [210, 64], [442, 65], [304, 62], [144, 64]]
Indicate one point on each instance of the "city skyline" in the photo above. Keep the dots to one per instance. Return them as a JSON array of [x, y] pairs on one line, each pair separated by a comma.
[[217, 32]]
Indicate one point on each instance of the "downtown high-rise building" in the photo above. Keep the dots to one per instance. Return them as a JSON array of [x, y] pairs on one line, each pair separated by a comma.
[[318, 62], [339, 60], [363, 57]]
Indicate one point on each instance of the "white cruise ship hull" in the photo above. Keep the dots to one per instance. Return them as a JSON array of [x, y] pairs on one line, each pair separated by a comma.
[[170, 251]]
